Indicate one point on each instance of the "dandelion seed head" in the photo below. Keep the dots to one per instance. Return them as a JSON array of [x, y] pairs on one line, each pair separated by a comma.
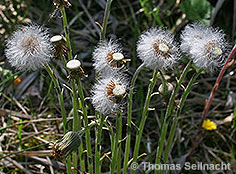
[[29, 48], [108, 57], [108, 94], [206, 46], [157, 49]]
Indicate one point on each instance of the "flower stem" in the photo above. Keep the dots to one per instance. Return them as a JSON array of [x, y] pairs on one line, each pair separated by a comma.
[[98, 145], [62, 106], [105, 19], [68, 165], [180, 107], [87, 131], [65, 25], [144, 117], [128, 131], [168, 113], [164, 83], [75, 103], [115, 143], [119, 145], [76, 120], [60, 95]]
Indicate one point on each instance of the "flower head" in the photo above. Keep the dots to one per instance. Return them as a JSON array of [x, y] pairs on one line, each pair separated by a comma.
[[75, 69], [29, 48], [67, 144], [61, 3], [157, 49], [108, 94], [206, 46], [209, 125], [108, 57]]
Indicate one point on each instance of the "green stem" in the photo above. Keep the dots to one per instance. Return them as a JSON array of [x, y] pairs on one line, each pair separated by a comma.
[[168, 113], [164, 83], [76, 120], [68, 165], [80, 149], [65, 25], [77, 123], [144, 117], [98, 145], [105, 19], [128, 131], [62, 105], [180, 107], [87, 131], [60, 95], [115, 144], [119, 145]]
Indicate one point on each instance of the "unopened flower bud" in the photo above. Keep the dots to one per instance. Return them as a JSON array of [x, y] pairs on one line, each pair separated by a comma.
[[67, 144], [169, 88]]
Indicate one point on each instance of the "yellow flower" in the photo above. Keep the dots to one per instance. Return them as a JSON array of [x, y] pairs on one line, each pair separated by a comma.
[[209, 125]]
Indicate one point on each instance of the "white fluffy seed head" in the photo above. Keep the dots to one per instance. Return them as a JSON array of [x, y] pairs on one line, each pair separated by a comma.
[[108, 94], [107, 57], [73, 64], [157, 49], [206, 46], [29, 48]]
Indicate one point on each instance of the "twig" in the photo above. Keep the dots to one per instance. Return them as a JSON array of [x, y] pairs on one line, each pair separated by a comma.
[[54, 164], [18, 165], [50, 166], [209, 101], [41, 153]]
